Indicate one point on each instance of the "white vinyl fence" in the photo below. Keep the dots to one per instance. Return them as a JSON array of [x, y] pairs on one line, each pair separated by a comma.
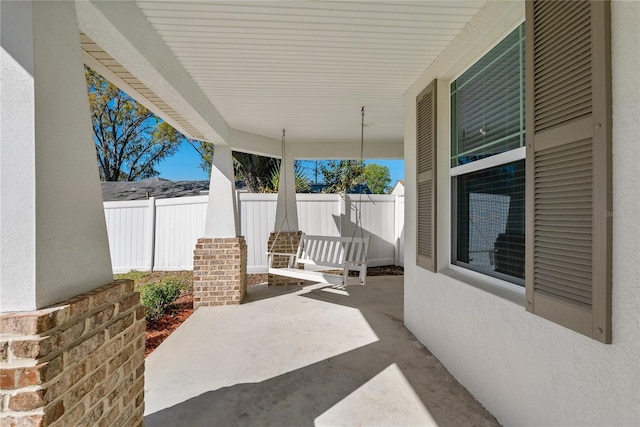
[[161, 234]]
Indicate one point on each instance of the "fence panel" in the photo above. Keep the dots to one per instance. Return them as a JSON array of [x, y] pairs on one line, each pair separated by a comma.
[[179, 225], [319, 214], [377, 216], [257, 215], [161, 234], [129, 227]]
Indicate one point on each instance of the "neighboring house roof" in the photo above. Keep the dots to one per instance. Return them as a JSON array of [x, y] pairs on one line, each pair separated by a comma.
[[398, 188], [161, 188], [153, 187]]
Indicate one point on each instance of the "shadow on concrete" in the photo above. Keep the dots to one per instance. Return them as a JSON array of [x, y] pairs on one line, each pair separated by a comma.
[[300, 397], [264, 291]]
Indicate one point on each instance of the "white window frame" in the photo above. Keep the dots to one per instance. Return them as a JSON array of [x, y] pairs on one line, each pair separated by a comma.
[[508, 290]]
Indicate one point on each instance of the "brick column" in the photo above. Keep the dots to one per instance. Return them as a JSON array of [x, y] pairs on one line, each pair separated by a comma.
[[79, 362], [287, 242], [219, 271]]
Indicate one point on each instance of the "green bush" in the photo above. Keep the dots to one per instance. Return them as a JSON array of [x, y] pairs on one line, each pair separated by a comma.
[[156, 297]]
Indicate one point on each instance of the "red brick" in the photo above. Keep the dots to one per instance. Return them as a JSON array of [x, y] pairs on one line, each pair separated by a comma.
[[129, 301], [72, 417], [109, 293], [102, 317], [53, 412], [119, 360], [27, 324], [93, 416], [4, 351], [87, 347], [88, 383], [24, 421], [69, 335], [26, 401], [120, 325], [109, 417], [12, 378], [31, 348]]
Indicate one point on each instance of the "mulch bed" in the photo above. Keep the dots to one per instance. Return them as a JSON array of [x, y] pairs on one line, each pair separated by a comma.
[[159, 330], [182, 308]]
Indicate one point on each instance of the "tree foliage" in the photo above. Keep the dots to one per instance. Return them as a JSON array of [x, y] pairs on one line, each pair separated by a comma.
[[377, 178], [256, 171], [260, 174], [205, 150], [344, 175], [130, 140], [341, 176], [302, 182]]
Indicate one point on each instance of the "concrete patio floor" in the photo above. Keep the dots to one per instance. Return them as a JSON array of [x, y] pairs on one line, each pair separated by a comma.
[[304, 356]]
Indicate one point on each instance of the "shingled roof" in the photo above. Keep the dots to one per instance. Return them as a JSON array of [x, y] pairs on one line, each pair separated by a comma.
[[154, 187]]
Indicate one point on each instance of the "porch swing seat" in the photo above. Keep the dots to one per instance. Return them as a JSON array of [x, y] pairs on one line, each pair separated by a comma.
[[318, 254]]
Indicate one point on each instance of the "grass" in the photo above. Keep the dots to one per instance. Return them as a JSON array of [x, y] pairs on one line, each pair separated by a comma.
[[158, 290], [142, 279]]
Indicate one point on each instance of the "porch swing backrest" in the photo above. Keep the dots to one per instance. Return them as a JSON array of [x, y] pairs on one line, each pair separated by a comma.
[[316, 254], [328, 252]]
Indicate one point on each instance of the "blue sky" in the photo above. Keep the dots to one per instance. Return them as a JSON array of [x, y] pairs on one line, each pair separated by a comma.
[[185, 166]]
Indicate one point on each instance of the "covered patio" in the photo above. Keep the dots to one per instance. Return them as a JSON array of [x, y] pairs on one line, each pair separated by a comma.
[[545, 332], [305, 356]]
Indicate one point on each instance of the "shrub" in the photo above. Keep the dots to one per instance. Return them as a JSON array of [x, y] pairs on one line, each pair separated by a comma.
[[156, 297]]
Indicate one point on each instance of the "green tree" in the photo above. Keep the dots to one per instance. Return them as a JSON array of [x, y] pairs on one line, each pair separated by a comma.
[[261, 174], [130, 140], [205, 150], [302, 181], [377, 178], [341, 175], [256, 171], [344, 175]]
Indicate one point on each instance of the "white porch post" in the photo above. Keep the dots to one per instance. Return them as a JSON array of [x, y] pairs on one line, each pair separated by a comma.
[[54, 239], [286, 209], [286, 233], [222, 210], [59, 306], [220, 257]]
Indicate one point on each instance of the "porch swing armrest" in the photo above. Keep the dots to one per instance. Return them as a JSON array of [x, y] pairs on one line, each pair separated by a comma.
[[291, 256], [280, 253]]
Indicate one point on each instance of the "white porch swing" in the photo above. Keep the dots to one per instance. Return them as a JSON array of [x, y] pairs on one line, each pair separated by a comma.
[[316, 255]]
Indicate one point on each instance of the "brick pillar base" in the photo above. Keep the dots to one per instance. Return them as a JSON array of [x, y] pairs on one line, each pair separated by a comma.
[[80, 362], [219, 271], [287, 243]]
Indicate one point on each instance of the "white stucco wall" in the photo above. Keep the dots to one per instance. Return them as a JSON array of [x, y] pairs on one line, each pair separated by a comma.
[[524, 369], [54, 238]]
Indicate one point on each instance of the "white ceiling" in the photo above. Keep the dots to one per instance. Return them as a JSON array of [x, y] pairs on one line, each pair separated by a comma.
[[308, 66]]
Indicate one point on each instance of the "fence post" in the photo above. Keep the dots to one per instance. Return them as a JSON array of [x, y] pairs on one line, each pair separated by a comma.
[[396, 221], [345, 214], [150, 235]]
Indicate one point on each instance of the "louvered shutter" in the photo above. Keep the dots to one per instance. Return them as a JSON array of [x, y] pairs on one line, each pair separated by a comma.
[[426, 170], [568, 127]]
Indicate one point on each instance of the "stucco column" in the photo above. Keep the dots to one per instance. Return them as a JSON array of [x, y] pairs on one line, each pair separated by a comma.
[[286, 235], [220, 257], [222, 210], [286, 209], [54, 239], [71, 339]]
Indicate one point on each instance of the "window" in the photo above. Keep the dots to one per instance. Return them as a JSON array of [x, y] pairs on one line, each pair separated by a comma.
[[487, 162], [561, 206]]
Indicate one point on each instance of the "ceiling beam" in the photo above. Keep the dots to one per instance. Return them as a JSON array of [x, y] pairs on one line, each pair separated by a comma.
[[122, 31]]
